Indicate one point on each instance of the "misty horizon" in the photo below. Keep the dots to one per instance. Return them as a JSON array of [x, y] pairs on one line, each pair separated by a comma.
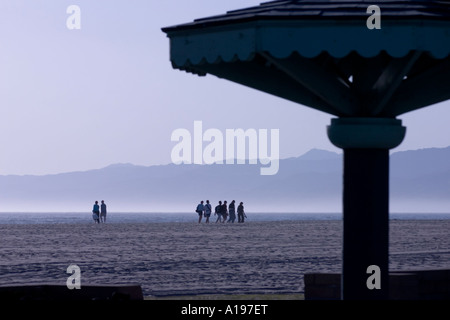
[[311, 183]]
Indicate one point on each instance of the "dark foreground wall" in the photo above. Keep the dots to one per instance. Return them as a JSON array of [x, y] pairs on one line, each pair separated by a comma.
[[62, 293], [404, 285]]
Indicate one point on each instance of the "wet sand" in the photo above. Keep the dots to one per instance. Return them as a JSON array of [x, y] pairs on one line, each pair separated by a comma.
[[169, 259]]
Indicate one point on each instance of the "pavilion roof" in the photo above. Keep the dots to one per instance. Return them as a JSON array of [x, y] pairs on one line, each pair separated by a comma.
[[323, 55], [323, 9]]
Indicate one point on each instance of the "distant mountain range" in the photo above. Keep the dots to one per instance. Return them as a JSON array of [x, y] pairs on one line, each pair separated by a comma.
[[420, 182]]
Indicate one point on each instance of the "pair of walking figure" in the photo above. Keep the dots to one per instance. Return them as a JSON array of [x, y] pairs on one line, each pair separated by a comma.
[[99, 212]]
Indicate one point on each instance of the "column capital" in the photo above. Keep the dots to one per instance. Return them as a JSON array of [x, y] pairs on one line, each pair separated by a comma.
[[366, 133]]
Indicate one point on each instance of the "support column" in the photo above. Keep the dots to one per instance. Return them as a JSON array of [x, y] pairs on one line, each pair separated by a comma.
[[366, 143], [366, 221]]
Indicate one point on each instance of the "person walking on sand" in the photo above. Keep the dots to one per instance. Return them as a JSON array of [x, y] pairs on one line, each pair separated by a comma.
[[208, 210], [241, 213], [232, 212], [96, 212], [218, 211], [103, 212], [199, 210], [224, 211]]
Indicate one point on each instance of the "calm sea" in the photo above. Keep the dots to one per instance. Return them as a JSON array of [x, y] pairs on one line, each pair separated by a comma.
[[122, 217]]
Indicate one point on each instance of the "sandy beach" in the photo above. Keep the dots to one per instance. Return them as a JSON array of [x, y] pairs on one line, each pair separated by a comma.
[[187, 258]]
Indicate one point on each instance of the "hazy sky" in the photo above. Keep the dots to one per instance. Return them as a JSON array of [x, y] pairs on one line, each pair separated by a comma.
[[75, 100]]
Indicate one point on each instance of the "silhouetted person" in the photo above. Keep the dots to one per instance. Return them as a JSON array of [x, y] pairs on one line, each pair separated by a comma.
[[218, 211], [199, 210], [103, 212], [224, 211], [96, 212], [231, 212], [208, 211], [241, 213]]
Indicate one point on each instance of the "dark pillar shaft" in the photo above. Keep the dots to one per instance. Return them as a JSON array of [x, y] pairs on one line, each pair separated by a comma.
[[366, 143], [366, 222]]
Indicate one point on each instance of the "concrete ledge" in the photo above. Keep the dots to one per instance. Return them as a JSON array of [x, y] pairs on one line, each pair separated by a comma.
[[403, 285], [322, 286], [62, 293]]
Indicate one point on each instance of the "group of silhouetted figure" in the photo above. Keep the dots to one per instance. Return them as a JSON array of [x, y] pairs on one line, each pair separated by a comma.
[[222, 211]]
